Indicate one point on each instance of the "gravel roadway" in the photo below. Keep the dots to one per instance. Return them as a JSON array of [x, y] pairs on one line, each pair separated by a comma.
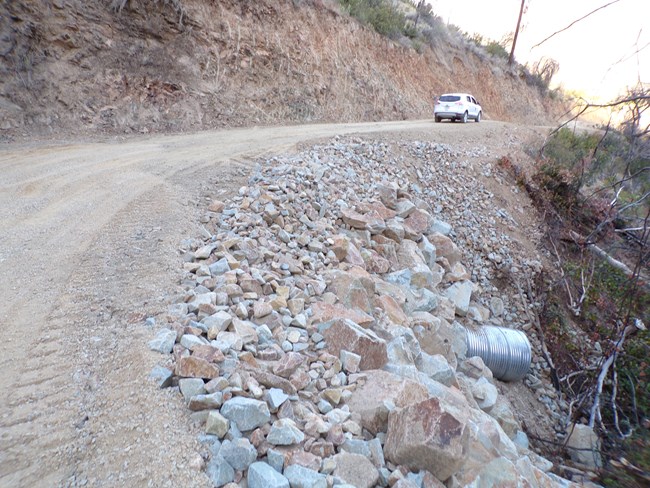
[[89, 237]]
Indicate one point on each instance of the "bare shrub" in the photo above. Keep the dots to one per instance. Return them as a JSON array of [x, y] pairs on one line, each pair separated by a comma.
[[541, 73], [177, 5]]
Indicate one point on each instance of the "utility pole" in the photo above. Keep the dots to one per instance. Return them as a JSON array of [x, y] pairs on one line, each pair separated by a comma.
[[511, 59]]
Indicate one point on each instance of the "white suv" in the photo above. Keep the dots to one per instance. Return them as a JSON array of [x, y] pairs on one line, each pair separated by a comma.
[[457, 106]]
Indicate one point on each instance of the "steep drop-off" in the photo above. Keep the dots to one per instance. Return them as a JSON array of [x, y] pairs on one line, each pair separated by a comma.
[[73, 66]]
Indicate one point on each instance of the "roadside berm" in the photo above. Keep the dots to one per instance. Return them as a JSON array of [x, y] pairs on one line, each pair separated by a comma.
[[320, 339]]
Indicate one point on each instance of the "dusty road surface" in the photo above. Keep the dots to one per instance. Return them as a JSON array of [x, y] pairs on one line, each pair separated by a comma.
[[89, 235]]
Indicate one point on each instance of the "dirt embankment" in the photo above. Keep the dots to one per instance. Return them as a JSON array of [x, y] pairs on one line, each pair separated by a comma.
[[78, 66]]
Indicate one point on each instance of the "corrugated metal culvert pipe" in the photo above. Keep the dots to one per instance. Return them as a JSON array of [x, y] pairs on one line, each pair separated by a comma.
[[505, 351]]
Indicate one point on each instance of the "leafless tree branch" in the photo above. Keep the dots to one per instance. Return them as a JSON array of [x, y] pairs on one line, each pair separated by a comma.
[[595, 415], [575, 22]]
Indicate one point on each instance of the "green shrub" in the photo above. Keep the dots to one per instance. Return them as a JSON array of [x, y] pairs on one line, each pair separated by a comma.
[[597, 159], [417, 45], [497, 50], [567, 148], [475, 38], [380, 14], [410, 31]]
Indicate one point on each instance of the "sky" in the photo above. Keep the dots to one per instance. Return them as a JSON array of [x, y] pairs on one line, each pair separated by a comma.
[[596, 55]]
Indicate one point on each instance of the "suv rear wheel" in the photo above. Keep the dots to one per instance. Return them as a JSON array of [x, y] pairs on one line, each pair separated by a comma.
[[465, 118], [438, 119]]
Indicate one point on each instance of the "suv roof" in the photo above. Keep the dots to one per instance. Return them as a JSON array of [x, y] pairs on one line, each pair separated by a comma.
[[457, 94]]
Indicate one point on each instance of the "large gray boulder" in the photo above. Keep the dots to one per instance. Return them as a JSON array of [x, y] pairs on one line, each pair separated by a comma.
[[460, 294], [301, 477], [261, 475], [239, 453], [164, 341], [246, 413]]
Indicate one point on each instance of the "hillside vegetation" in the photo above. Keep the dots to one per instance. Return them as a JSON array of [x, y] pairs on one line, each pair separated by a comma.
[[103, 66]]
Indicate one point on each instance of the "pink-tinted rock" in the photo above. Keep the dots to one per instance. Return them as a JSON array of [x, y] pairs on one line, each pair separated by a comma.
[[445, 248], [210, 353], [444, 338], [245, 331], [300, 379], [195, 367], [356, 470], [322, 449], [387, 194], [368, 400], [257, 437], [248, 284], [430, 481], [346, 251], [353, 218], [216, 206], [387, 248], [392, 309], [371, 221], [343, 334], [498, 472], [351, 289], [324, 312], [336, 435], [394, 230], [375, 263], [416, 224], [394, 291], [193, 331], [340, 246], [270, 380], [380, 210], [288, 363], [409, 255], [305, 459], [262, 309], [354, 256], [431, 435], [458, 272]]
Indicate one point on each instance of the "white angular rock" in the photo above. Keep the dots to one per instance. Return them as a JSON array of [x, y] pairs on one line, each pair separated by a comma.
[[285, 432], [584, 446], [164, 341], [485, 394], [460, 294]]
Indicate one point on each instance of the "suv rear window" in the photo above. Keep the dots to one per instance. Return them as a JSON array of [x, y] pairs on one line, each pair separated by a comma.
[[449, 98]]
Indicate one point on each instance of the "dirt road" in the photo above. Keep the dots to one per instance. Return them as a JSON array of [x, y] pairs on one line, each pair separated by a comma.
[[88, 250]]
